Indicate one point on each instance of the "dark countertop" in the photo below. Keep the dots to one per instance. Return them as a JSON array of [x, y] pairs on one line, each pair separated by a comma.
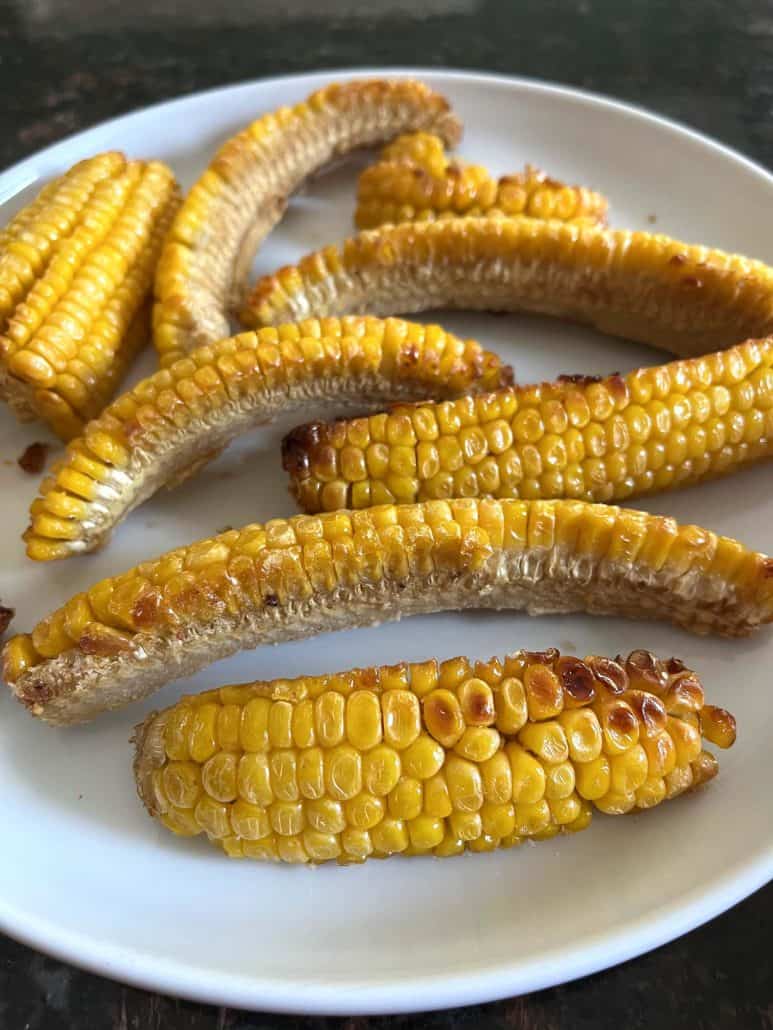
[[67, 64]]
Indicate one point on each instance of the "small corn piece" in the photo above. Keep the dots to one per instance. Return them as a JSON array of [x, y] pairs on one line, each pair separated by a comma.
[[243, 194], [416, 181], [76, 268], [682, 298], [163, 429], [323, 767], [582, 436], [6, 616], [291, 578]]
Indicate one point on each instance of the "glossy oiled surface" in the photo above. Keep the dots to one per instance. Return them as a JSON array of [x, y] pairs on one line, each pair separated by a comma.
[[707, 71]]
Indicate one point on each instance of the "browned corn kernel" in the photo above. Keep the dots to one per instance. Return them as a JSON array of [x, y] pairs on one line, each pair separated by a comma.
[[243, 194], [595, 439], [416, 759], [414, 180], [685, 299], [289, 578], [76, 268], [145, 439]]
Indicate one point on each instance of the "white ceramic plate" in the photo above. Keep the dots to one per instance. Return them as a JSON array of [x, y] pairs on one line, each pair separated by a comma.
[[86, 875]]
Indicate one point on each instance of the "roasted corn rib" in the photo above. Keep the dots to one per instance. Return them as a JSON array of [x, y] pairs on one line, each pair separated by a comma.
[[415, 181], [293, 578], [582, 436], [428, 758], [76, 268], [242, 195], [168, 426], [685, 299]]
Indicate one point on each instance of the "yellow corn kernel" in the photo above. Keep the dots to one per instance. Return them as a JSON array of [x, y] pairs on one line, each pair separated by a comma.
[[478, 743], [363, 720], [437, 800], [381, 769], [629, 770], [583, 734], [559, 780], [547, 740], [443, 717], [423, 758], [401, 718], [593, 778], [465, 785], [528, 775]]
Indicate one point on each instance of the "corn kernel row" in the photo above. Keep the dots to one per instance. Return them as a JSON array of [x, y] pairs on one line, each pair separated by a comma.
[[75, 274], [244, 191], [415, 180], [146, 437], [682, 298], [427, 758], [294, 577], [584, 437]]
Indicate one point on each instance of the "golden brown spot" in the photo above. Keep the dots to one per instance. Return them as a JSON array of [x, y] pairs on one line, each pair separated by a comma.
[[146, 609], [612, 675], [692, 282], [271, 601], [676, 260], [767, 568], [578, 379], [673, 665], [576, 679], [718, 726], [103, 641], [33, 460], [544, 687], [617, 387], [650, 709], [643, 666], [541, 657], [621, 719], [297, 447]]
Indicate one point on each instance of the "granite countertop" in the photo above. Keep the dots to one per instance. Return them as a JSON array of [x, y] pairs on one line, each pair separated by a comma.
[[67, 64]]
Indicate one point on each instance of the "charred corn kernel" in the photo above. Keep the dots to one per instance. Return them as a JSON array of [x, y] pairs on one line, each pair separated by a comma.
[[718, 726], [544, 694], [76, 268], [243, 193], [151, 432], [416, 181], [443, 717], [616, 436], [363, 795]]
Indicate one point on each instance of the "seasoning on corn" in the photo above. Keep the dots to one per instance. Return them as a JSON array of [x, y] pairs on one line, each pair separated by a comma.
[[685, 299], [582, 436], [169, 425], [243, 194], [293, 578], [426, 758], [76, 267], [415, 181]]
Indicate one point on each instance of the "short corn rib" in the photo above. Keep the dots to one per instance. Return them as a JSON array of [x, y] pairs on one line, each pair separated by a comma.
[[169, 425], [76, 268], [428, 758], [243, 193], [682, 298], [582, 436], [293, 578], [416, 181]]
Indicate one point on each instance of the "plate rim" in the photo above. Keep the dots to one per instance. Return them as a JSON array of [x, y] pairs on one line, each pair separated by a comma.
[[423, 991]]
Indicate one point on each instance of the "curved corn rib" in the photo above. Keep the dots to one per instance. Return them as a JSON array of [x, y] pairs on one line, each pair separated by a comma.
[[427, 758], [76, 268], [415, 181], [682, 298], [293, 578], [169, 425], [582, 436], [243, 194]]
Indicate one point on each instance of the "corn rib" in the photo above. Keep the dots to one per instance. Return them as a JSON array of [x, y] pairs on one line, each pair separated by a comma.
[[685, 299], [415, 181], [293, 578], [76, 267], [169, 425], [427, 758], [582, 436], [243, 194]]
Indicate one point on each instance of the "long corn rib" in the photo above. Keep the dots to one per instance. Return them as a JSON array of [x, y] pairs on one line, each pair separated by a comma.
[[243, 194], [682, 298], [428, 758], [416, 181], [169, 425], [293, 578], [76, 267], [582, 436]]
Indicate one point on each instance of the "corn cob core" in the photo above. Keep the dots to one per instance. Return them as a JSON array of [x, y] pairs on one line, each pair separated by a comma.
[[293, 578], [685, 299], [582, 436], [169, 425], [415, 181], [76, 267], [244, 192], [427, 758]]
